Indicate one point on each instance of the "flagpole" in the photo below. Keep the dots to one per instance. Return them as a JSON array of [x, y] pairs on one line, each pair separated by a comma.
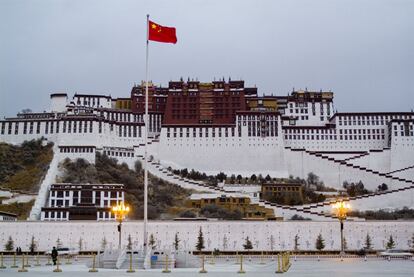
[[146, 119]]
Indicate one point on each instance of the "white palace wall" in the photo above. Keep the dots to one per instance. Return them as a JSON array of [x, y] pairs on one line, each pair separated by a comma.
[[333, 174], [406, 174], [233, 155], [260, 233], [390, 201], [99, 139], [402, 154], [379, 161]]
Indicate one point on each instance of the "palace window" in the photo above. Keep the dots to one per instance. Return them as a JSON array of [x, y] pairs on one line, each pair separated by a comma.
[[10, 128]]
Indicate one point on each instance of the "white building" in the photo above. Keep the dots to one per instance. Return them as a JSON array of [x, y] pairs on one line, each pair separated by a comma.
[[82, 202], [5, 216], [293, 135]]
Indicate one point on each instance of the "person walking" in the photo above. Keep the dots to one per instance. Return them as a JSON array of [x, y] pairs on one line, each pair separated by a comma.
[[54, 255]]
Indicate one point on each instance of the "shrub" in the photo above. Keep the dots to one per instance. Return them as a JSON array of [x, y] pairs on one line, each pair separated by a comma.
[[188, 214]]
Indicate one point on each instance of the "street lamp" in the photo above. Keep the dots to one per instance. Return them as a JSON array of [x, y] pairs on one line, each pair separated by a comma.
[[120, 211], [341, 209]]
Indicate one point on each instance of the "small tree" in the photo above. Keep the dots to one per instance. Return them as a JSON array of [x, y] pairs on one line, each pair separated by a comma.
[[129, 245], [247, 244], [200, 240], [9, 246], [296, 242], [138, 166], [272, 242], [382, 187], [176, 242], [368, 242], [225, 242], [390, 243], [320, 243], [152, 242], [412, 241], [345, 244], [58, 243], [33, 245], [104, 243], [80, 244]]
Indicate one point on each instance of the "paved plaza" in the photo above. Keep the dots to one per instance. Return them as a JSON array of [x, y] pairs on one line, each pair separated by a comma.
[[309, 266]]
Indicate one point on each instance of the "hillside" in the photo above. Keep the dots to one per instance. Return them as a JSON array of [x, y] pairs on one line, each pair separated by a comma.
[[22, 167], [21, 170], [21, 209], [164, 199]]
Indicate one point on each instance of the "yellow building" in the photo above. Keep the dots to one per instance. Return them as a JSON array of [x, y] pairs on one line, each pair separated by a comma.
[[123, 103], [293, 190], [263, 103], [241, 203]]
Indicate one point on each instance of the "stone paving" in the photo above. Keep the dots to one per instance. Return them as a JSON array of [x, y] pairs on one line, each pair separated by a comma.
[[300, 267]]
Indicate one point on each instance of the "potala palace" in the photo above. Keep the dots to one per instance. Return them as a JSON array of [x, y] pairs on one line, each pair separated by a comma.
[[223, 126]]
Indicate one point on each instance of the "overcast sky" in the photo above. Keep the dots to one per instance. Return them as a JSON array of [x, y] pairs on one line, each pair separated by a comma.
[[361, 50]]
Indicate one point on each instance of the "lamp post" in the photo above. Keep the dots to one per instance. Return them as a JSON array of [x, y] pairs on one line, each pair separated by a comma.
[[120, 211], [341, 209]]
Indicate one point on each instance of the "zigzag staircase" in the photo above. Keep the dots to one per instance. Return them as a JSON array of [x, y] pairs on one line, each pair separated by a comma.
[[159, 171]]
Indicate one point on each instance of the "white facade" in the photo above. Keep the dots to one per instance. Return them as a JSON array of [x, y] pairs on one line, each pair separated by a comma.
[[310, 114], [223, 235], [58, 102], [63, 197], [374, 148], [94, 101]]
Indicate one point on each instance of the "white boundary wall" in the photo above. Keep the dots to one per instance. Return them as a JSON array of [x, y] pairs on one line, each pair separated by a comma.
[[260, 233]]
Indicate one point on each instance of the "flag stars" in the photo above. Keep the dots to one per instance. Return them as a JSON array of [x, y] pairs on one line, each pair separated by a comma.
[[160, 33]]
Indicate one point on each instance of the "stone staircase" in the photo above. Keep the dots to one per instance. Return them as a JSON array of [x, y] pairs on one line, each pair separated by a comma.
[[365, 169], [306, 211], [159, 171]]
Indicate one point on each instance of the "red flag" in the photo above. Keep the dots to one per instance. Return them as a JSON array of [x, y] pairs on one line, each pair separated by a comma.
[[160, 33]]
